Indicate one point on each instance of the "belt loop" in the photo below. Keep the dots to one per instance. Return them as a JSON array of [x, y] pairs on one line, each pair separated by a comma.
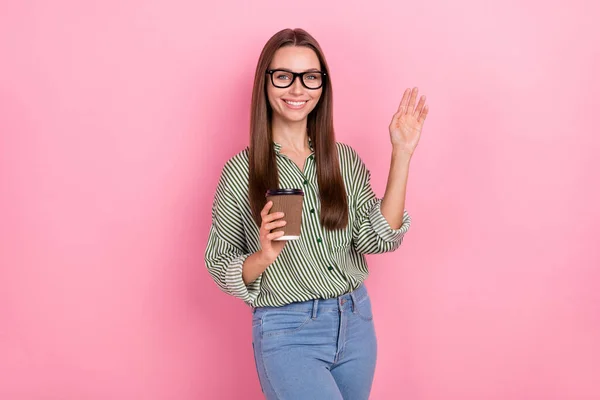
[[353, 302], [314, 310]]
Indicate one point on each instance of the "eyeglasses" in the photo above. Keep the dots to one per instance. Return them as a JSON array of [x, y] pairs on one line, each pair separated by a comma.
[[281, 78]]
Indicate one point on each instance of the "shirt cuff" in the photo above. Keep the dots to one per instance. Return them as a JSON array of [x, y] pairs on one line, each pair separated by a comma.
[[382, 227], [235, 283]]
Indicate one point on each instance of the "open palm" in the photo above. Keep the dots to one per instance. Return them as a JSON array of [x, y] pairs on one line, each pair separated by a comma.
[[407, 123]]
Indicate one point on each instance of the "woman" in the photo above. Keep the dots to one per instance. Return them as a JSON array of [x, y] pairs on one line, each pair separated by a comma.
[[313, 333]]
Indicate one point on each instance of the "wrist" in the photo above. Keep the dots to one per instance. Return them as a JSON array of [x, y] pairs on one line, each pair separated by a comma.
[[402, 153], [263, 259]]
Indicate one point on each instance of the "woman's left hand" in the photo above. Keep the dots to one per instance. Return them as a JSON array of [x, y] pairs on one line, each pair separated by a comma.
[[407, 123]]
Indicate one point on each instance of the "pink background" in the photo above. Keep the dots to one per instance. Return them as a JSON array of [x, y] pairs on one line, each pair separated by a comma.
[[117, 116]]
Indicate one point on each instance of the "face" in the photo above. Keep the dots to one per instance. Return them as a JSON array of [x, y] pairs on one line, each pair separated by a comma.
[[294, 103]]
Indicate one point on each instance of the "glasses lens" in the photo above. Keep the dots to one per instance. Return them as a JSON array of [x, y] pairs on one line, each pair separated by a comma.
[[313, 80], [282, 79]]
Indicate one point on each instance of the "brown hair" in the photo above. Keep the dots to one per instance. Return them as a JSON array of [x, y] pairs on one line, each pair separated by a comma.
[[263, 167]]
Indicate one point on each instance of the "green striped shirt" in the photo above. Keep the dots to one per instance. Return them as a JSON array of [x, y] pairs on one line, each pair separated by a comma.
[[322, 263]]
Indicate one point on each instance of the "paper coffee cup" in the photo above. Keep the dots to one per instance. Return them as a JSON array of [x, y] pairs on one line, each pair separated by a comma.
[[288, 201]]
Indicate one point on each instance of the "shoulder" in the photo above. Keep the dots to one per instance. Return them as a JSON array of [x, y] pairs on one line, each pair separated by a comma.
[[237, 163], [240, 159], [346, 151], [348, 155], [235, 171], [351, 165]]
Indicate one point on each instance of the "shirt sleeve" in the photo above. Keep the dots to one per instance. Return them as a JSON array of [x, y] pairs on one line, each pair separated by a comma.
[[226, 250], [372, 234]]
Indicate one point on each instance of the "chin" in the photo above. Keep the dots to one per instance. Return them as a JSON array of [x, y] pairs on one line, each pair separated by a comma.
[[297, 118], [291, 117]]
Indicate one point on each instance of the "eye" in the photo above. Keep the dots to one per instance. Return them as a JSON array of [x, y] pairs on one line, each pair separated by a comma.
[[282, 76]]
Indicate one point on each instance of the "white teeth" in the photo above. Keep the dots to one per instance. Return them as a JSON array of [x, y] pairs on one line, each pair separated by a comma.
[[295, 103]]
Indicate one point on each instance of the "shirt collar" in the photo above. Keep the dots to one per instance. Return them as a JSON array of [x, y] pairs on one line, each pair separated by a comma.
[[277, 146]]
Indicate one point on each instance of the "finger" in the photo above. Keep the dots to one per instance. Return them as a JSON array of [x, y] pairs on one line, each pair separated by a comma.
[[266, 209], [275, 235], [420, 106], [413, 100], [276, 224], [272, 217], [404, 102], [423, 114]]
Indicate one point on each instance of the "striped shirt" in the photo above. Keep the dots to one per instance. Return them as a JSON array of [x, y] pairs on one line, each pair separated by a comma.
[[322, 263]]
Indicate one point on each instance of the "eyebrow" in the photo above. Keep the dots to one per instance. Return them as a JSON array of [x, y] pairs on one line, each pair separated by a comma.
[[289, 70]]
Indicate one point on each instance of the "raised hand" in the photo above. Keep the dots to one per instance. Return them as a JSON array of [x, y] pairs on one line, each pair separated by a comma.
[[407, 122]]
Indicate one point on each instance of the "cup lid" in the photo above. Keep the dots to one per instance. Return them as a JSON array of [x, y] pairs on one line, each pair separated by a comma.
[[279, 192]]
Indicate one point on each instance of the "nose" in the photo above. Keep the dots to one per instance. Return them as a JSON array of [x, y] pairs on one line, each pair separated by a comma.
[[296, 87]]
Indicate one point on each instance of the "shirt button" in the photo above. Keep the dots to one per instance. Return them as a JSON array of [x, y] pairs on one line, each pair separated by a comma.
[[311, 157], [319, 240], [312, 210], [306, 182], [330, 268]]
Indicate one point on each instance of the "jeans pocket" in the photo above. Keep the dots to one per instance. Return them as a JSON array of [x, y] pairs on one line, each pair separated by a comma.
[[284, 322], [363, 309]]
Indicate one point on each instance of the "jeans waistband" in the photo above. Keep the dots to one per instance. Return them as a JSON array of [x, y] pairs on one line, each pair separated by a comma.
[[354, 297]]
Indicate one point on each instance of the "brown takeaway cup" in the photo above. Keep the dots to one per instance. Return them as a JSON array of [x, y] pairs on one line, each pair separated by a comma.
[[288, 201]]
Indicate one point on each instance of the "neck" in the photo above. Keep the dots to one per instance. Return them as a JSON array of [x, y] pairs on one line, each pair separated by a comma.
[[291, 135]]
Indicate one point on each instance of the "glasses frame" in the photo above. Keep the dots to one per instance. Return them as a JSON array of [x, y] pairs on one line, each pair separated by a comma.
[[296, 75]]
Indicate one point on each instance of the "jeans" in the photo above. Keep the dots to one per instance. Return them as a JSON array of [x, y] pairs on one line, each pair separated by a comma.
[[317, 349]]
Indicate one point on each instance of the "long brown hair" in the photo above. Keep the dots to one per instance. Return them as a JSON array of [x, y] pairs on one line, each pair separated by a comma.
[[263, 167]]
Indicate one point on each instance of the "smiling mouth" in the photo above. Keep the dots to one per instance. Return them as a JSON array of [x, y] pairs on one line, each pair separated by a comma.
[[295, 104]]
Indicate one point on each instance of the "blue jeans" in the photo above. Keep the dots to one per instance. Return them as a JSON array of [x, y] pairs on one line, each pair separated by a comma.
[[318, 349]]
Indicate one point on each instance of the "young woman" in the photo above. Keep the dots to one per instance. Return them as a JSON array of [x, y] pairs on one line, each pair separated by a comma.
[[312, 329]]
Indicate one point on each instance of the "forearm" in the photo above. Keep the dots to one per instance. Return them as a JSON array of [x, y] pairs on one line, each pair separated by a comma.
[[392, 206], [253, 267]]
